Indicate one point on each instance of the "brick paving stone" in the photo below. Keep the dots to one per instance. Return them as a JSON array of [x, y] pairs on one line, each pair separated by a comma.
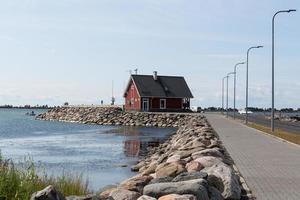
[[271, 167]]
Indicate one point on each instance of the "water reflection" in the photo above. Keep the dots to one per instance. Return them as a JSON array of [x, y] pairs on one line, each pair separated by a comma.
[[132, 148], [138, 140], [135, 148]]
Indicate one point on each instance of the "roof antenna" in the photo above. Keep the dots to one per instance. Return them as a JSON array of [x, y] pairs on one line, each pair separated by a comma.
[[136, 71]]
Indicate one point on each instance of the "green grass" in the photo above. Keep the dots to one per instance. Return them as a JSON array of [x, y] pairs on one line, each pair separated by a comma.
[[19, 183]]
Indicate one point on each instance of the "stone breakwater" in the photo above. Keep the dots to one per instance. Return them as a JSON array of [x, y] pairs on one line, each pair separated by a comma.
[[191, 165], [112, 116]]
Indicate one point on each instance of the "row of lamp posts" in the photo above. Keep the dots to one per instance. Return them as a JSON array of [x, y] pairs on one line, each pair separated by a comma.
[[247, 64]]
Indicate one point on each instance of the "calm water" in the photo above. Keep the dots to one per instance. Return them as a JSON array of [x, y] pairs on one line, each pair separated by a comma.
[[92, 150]]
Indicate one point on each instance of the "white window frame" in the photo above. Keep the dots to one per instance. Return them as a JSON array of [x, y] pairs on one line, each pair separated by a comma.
[[145, 100], [160, 103]]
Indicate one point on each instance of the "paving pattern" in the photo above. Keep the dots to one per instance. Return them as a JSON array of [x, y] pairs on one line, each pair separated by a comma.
[[271, 167]]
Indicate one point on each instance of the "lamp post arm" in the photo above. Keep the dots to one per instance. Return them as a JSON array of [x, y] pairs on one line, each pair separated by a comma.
[[241, 63]]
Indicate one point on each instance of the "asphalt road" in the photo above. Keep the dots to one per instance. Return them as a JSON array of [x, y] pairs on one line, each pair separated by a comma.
[[259, 118]]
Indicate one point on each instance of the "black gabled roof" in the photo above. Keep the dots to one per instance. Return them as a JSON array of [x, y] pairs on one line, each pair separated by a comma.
[[164, 86]]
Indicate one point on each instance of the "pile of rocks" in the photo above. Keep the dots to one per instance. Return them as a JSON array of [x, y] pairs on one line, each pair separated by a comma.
[[191, 165], [112, 116]]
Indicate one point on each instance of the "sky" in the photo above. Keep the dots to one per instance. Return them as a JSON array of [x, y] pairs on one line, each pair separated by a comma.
[[55, 51]]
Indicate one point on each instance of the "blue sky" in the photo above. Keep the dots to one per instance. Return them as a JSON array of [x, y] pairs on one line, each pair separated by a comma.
[[53, 51]]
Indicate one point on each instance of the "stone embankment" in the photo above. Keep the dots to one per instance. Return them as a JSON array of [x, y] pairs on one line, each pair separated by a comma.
[[191, 165], [112, 116]]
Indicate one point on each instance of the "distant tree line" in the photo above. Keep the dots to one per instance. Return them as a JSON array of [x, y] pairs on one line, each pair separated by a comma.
[[26, 106]]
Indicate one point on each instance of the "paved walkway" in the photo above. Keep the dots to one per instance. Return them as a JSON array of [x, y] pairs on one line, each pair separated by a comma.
[[270, 166]]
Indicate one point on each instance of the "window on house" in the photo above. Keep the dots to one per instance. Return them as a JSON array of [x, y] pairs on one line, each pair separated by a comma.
[[162, 103]]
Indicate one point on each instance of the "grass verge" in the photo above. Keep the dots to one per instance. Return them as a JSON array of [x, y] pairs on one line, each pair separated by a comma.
[[19, 183], [291, 137]]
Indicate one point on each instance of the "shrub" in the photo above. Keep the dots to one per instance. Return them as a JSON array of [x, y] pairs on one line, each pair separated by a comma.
[[19, 183]]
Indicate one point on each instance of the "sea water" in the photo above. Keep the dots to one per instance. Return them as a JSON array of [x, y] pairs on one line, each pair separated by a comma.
[[98, 153]]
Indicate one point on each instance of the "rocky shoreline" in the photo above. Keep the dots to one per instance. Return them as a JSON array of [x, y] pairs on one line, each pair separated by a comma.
[[191, 165], [112, 116]]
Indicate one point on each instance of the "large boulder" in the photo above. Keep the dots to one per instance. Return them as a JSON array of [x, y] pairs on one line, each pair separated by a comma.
[[150, 169], [49, 193], [214, 193], [136, 167], [122, 194], [186, 176], [169, 169], [222, 177], [208, 161], [136, 183], [174, 158], [208, 152], [145, 197], [188, 152], [105, 192], [88, 197], [197, 187], [178, 197], [161, 180], [193, 166]]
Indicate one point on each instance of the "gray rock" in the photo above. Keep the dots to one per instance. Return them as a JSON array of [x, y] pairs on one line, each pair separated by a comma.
[[187, 153], [214, 193], [197, 187], [161, 180], [174, 158], [222, 177], [105, 191], [49, 193], [178, 197], [88, 197], [135, 168], [122, 194], [207, 152], [208, 161], [145, 197], [169, 169], [185, 176], [136, 183], [193, 166]]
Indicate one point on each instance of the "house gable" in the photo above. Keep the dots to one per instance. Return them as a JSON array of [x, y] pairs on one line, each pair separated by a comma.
[[132, 98]]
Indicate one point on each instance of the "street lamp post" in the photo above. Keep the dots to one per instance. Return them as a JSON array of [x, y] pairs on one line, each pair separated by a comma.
[[246, 109], [227, 93], [234, 90], [223, 94], [273, 25]]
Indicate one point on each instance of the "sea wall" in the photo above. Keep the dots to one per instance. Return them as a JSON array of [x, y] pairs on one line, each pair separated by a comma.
[[191, 165], [112, 116]]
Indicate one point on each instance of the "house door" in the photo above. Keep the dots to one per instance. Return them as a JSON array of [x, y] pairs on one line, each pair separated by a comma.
[[145, 104]]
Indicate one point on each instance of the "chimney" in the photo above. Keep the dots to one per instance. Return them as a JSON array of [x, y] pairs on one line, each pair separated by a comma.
[[155, 75]]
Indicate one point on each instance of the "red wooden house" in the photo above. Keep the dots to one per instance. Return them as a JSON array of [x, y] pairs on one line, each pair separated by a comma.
[[157, 93]]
